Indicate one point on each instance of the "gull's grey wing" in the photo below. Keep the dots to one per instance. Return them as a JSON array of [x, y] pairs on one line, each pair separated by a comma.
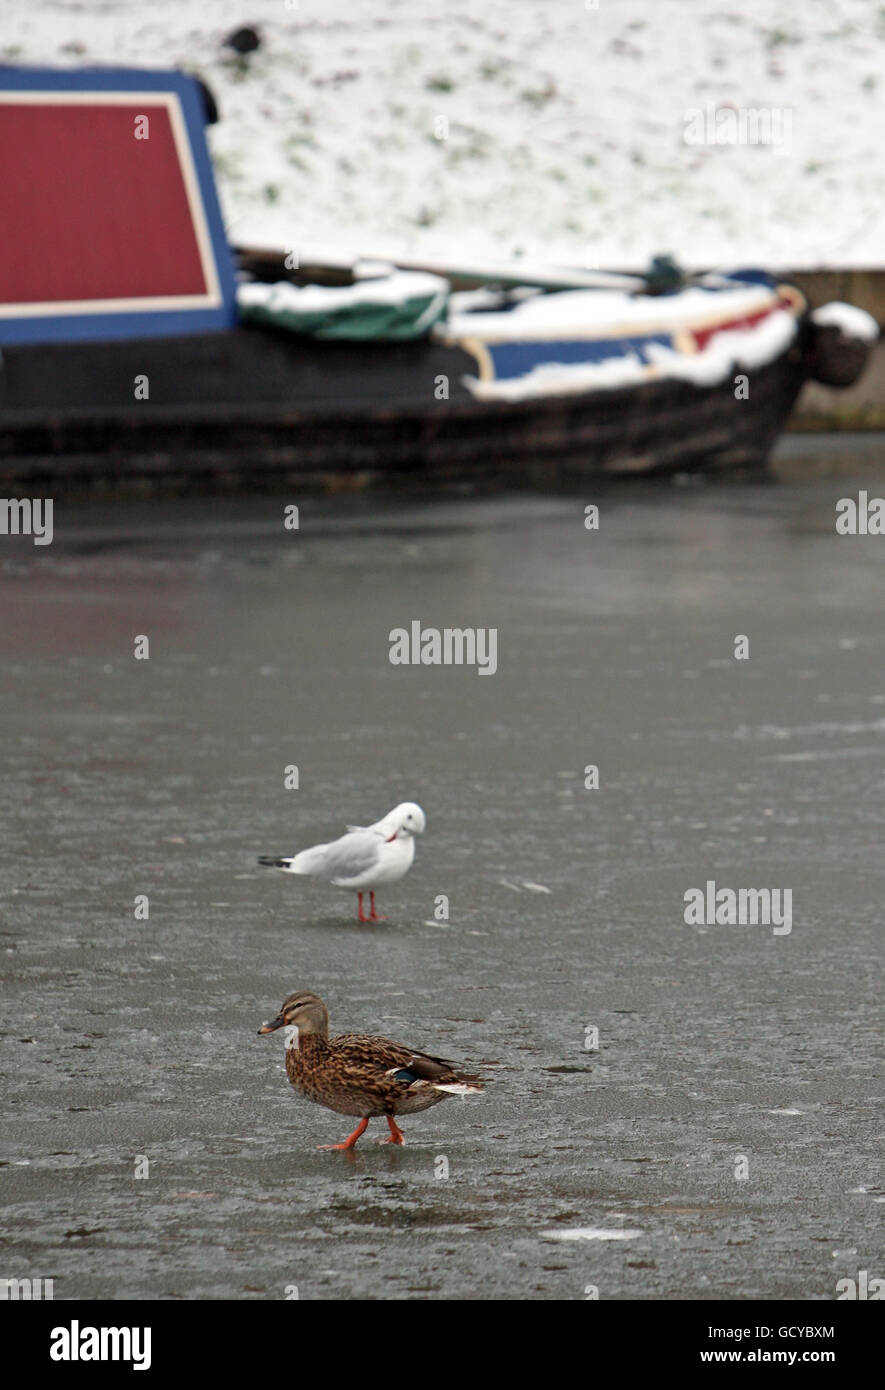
[[341, 860]]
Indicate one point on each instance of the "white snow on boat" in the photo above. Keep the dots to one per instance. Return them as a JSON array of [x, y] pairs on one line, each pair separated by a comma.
[[586, 340], [851, 321]]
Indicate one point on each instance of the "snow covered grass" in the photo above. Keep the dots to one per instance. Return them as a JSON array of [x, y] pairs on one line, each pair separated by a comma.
[[557, 130]]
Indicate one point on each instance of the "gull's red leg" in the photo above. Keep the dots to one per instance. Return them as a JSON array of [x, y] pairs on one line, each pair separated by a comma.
[[396, 1134], [351, 1138], [362, 916], [374, 917]]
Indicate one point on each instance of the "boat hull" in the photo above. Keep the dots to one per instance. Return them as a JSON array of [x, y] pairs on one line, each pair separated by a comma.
[[255, 404]]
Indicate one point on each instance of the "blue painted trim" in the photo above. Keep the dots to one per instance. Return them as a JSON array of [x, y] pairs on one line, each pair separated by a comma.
[[147, 322], [512, 360], [86, 327]]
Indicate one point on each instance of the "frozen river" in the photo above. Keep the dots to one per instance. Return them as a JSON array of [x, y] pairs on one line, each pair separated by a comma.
[[723, 1141]]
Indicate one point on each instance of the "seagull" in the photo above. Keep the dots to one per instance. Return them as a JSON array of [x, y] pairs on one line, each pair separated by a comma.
[[364, 859]]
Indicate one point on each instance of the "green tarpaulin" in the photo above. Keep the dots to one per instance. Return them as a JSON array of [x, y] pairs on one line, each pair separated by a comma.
[[399, 306]]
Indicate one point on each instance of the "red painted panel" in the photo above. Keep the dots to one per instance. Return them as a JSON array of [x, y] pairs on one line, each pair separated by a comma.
[[702, 336], [89, 211]]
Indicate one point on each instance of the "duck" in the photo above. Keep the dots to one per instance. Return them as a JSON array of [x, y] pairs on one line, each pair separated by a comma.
[[366, 858], [357, 1074]]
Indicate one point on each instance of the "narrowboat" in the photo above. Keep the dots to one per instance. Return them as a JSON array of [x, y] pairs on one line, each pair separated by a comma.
[[137, 344]]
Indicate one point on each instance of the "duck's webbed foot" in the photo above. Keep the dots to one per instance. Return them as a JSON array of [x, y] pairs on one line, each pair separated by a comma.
[[351, 1139], [396, 1134]]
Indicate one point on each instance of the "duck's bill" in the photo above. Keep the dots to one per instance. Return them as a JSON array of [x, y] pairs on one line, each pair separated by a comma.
[[272, 1024]]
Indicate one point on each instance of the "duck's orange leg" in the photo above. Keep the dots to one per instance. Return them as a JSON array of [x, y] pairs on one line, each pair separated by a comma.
[[351, 1139], [396, 1134], [374, 917]]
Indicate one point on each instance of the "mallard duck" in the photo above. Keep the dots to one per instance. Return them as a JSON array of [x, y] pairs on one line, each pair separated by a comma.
[[355, 1074], [366, 858]]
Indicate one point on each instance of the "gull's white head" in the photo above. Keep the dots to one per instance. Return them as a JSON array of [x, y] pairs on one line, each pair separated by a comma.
[[405, 819]]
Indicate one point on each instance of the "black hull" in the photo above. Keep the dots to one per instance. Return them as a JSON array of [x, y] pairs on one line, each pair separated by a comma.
[[253, 405]]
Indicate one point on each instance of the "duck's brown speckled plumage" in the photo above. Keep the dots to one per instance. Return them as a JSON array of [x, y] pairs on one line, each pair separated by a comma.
[[359, 1074], [350, 1074]]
